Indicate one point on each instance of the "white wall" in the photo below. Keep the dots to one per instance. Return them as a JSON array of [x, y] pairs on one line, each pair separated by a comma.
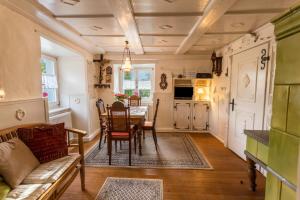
[[72, 89], [220, 90], [20, 72]]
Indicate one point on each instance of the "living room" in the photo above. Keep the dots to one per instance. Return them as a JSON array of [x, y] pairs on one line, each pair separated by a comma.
[[209, 110]]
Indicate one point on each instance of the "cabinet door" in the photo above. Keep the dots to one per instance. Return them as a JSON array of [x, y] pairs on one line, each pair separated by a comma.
[[200, 116], [182, 114]]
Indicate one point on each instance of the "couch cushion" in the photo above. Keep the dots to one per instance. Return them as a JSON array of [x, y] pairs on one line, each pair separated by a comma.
[[51, 171], [47, 143], [4, 189], [16, 161], [28, 192]]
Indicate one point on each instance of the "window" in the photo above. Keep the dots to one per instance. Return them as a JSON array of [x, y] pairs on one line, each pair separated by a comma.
[[49, 79], [138, 81]]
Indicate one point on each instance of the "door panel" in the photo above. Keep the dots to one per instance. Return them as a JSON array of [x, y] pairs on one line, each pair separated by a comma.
[[200, 116], [248, 86], [247, 73], [182, 115]]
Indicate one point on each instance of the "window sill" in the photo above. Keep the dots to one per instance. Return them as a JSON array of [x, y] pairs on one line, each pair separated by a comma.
[[59, 110]]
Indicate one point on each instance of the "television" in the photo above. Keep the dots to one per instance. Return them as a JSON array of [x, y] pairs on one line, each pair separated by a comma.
[[184, 93]]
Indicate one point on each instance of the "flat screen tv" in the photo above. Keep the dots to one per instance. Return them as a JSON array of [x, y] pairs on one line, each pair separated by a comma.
[[185, 93]]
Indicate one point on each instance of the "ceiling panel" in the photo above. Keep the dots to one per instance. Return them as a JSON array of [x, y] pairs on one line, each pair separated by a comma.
[[165, 25], [205, 47], [217, 39], [243, 5], [241, 23], [114, 49], [107, 41], [161, 40], [160, 49], [168, 6], [83, 7], [95, 26]]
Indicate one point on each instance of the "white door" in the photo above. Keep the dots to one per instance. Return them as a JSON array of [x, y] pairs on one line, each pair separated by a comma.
[[182, 112], [248, 86], [200, 116]]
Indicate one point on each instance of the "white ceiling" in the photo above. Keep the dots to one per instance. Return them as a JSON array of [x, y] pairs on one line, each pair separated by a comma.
[[161, 26]]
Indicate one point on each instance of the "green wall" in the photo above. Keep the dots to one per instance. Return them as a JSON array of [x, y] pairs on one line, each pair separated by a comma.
[[285, 128]]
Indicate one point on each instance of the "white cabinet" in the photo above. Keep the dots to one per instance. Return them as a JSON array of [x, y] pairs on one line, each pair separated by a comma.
[[182, 115], [200, 116], [191, 115]]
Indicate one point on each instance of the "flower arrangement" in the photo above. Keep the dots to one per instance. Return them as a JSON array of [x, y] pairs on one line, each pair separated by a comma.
[[121, 97]]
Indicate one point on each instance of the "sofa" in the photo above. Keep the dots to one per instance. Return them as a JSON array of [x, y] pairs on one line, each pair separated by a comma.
[[48, 180]]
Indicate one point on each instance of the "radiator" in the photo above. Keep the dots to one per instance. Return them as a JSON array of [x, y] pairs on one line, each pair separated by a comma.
[[62, 118]]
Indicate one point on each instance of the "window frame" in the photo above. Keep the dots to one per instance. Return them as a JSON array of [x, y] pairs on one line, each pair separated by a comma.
[[136, 70], [54, 59]]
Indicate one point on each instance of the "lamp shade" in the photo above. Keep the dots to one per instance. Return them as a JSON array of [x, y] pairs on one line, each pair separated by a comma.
[[127, 65], [2, 93]]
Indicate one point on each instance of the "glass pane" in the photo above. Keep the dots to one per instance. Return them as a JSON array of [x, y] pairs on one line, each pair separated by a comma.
[[48, 66], [51, 94], [144, 83], [129, 92], [144, 75], [128, 81], [144, 93]]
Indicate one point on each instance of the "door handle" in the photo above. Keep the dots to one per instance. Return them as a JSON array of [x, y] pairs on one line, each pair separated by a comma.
[[232, 104]]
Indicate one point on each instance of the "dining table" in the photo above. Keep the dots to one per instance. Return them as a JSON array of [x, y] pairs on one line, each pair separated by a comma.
[[138, 116]]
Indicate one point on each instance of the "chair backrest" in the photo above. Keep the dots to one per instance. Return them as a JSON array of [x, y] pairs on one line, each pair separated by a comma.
[[101, 109], [118, 118], [155, 113], [134, 100]]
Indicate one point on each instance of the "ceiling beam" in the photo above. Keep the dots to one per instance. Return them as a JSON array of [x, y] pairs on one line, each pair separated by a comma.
[[168, 14], [122, 10], [213, 12], [83, 16]]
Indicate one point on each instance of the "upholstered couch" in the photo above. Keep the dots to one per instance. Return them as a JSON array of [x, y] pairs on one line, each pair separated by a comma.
[[49, 180]]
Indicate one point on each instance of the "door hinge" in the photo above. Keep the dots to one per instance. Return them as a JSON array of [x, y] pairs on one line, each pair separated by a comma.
[[174, 124], [175, 106]]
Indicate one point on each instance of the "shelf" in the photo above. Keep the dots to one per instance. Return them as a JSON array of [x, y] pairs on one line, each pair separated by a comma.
[[102, 85]]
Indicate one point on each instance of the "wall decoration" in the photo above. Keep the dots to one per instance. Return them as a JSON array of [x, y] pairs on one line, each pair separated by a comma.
[[217, 64], [108, 78], [101, 62], [20, 114], [108, 70], [163, 81]]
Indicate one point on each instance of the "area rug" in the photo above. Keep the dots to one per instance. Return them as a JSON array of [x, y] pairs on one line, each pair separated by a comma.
[[131, 189], [175, 150]]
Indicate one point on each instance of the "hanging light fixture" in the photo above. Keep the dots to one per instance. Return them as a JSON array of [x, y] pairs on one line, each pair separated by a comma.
[[126, 60]]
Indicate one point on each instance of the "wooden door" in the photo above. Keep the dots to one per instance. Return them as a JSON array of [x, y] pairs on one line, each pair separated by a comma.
[[200, 116], [182, 115], [248, 86]]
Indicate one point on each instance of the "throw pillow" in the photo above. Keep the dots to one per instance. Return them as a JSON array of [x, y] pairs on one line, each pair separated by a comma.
[[16, 161], [48, 142]]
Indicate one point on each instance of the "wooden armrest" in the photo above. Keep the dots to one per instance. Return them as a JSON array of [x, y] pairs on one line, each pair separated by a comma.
[[76, 131]]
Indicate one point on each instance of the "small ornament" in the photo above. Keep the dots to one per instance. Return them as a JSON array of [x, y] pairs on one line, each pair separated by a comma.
[[163, 81]]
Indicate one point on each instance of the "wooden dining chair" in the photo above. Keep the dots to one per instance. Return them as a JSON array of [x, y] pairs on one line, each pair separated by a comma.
[[119, 127], [150, 125], [134, 100], [103, 122]]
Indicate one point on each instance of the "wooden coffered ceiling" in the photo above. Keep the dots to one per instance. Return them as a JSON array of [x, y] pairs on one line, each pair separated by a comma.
[[164, 26]]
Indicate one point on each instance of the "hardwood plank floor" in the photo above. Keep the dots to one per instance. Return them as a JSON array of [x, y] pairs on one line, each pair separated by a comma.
[[227, 181]]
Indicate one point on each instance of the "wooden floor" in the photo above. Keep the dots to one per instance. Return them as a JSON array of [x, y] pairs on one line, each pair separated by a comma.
[[227, 181]]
